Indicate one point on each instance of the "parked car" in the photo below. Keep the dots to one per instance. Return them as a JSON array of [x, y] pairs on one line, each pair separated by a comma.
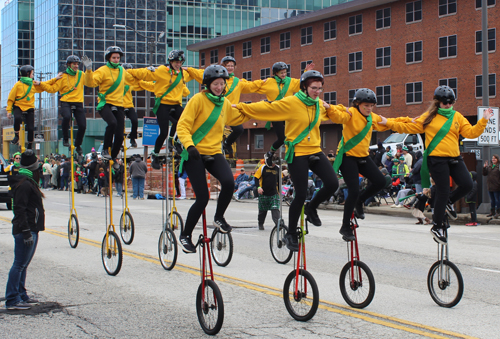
[[414, 140]]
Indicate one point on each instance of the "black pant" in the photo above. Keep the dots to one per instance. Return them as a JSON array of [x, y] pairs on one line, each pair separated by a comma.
[[195, 170], [275, 214], [299, 169], [473, 214], [279, 129], [165, 114], [441, 168], [351, 168], [116, 124], [132, 115], [235, 134], [81, 121], [29, 126]]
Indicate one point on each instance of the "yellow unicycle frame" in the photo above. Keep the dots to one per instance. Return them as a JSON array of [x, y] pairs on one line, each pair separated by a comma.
[[174, 215], [127, 228], [73, 227], [22, 132]]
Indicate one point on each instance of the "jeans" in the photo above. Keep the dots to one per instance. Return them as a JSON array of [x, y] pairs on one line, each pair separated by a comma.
[[119, 188], [494, 199], [418, 188], [138, 185], [64, 181], [16, 291], [243, 191]]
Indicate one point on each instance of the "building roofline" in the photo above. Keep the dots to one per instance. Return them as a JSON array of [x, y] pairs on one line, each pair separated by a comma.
[[302, 19]]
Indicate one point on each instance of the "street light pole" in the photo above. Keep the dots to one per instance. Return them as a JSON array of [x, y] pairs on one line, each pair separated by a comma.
[[484, 207]]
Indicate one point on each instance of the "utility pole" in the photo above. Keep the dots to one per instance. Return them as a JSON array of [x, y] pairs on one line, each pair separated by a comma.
[[486, 94]]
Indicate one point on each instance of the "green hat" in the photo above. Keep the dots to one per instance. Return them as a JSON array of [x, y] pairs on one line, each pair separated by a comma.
[[405, 148], [17, 153], [395, 160], [402, 158], [389, 153]]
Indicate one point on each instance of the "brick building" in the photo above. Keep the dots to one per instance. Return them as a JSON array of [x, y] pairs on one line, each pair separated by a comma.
[[400, 49]]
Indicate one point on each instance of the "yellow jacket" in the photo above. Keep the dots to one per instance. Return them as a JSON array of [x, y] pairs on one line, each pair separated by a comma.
[[105, 77], [150, 87], [297, 117], [243, 86], [448, 147], [19, 91], [65, 84], [163, 79], [269, 87], [196, 113], [128, 100]]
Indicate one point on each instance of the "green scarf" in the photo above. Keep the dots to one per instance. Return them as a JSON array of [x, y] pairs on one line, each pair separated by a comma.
[[26, 172], [306, 100], [27, 81], [169, 89], [233, 86], [77, 81], [70, 71], [351, 143], [112, 64], [282, 92], [424, 171], [203, 130], [16, 164], [102, 96]]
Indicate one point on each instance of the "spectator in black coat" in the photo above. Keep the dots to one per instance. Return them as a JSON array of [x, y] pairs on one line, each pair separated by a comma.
[[471, 198]]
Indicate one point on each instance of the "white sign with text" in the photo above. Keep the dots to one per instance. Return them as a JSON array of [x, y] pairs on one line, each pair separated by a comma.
[[490, 135]]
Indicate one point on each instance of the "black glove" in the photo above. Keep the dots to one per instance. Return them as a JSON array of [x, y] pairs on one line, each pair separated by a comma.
[[28, 238], [193, 153]]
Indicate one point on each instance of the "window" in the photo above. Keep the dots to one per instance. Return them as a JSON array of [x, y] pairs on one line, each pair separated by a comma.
[[214, 56], [355, 61], [351, 95], [383, 57], [448, 46], [413, 11], [330, 98], [303, 65], [265, 45], [413, 52], [492, 41], [330, 65], [489, 3], [492, 85], [285, 40], [383, 95], [230, 51], [447, 7], [306, 36], [247, 49], [247, 75], [414, 93], [259, 141], [330, 30], [265, 73], [288, 70], [383, 18], [451, 82], [202, 59], [356, 24]]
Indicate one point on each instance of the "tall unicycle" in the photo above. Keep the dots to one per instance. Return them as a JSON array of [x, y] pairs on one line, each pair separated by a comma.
[[73, 226], [127, 228], [167, 243], [174, 216], [111, 248], [279, 251]]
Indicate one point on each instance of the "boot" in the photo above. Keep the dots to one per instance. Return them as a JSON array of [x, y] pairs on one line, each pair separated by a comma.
[[492, 213], [497, 214]]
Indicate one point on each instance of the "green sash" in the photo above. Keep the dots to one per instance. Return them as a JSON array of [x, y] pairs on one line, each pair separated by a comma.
[[170, 88], [113, 87], [424, 171], [202, 131], [27, 92], [233, 86], [76, 85], [351, 143], [125, 89]]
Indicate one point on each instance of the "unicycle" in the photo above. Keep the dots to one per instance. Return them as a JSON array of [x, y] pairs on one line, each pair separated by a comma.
[[300, 291], [22, 132], [111, 248], [167, 243], [73, 226], [356, 280], [444, 280], [127, 228], [174, 216]]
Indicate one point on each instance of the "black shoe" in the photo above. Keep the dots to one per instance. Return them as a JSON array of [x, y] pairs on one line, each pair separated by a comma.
[[79, 150], [347, 234], [261, 227], [291, 241], [450, 210], [105, 154], [222, 225], [155, 161], [133, 144], [438, 234], [15, 140], [187, 244], [66, 143], [170, 144], [358, 212], [178, 147], [312, 215]]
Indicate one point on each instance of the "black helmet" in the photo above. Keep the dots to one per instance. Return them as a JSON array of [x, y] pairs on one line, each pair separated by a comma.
[[71, 59], [310, 75], [227, 59], [26, 70], [111, 50], [279, 66], [444, 94], [213, 72], [176, 55], [364, 95], [127, 65]]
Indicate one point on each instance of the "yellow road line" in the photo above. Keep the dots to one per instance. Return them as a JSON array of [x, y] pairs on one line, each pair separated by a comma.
[[376, 318]]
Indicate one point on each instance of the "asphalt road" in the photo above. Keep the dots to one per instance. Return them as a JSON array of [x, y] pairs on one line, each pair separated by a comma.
[[79, 300]]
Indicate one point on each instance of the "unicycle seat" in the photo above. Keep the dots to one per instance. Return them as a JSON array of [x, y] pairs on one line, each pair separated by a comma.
[[313, 159], [207, 159], [72, 107]]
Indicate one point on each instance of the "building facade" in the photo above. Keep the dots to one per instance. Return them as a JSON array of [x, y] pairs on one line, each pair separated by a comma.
[[402, 50]]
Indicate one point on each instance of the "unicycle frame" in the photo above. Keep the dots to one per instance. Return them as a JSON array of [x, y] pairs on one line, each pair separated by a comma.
[[110, 226], [280, 187], [125, 208], [353, 250], [204, 243], [301, 254], [173, 207], [22, 131], [442, 255], [73, 181]]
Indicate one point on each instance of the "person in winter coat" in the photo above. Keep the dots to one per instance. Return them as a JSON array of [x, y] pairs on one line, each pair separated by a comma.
[[471, 198], [492, 174], [387, 162], [378, 156], [138, 170], [415, 172], [29, 219]]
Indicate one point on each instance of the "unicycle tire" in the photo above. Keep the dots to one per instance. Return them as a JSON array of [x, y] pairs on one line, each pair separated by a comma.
[[176, 222], [167, 248], [303, 303], [210, 307], [357, 289], [279, 251], [221, 246], [446, 292], [127, 227], [73, 231], [112, 255]]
